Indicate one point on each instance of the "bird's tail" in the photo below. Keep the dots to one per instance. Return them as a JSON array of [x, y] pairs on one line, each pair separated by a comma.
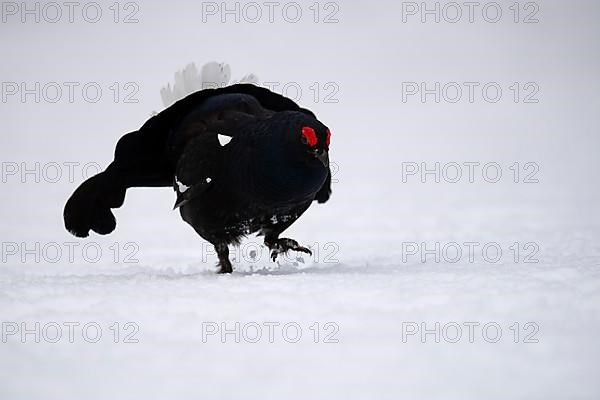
[[89, 207], [140, 161]]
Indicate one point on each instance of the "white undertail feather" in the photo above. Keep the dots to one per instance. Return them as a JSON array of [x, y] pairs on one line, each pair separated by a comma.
[[188, 81]]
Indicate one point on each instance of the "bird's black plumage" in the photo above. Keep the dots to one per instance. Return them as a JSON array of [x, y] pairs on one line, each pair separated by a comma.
[[241, 160]]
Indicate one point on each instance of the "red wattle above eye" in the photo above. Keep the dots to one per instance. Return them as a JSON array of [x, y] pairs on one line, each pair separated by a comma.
[[328, 140], [310, 135]]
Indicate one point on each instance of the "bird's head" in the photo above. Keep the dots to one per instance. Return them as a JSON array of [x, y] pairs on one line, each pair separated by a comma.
[[315, 141], [308, 139]]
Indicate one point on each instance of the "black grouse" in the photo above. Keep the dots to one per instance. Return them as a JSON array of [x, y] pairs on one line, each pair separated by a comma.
[[241, 160]]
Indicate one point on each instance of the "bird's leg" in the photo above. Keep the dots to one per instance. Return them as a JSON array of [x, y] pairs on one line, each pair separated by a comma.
[[223, 253], [283, 245]]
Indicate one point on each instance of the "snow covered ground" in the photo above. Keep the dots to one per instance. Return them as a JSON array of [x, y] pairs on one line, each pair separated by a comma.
[[369, 305], [399, 300]]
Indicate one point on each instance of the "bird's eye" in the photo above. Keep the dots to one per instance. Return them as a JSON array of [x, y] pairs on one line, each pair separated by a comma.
[[328, 140], [309, 136]]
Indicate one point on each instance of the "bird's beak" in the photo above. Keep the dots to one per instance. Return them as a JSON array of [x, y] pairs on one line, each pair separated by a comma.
[[323, 156]]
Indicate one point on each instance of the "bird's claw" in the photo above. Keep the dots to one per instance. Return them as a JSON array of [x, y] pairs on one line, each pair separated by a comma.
[[282, 246]]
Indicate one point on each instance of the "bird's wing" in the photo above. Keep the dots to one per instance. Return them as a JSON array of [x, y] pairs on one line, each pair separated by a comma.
[[199, 164], [157, 128], [198, 142], [219, 114]]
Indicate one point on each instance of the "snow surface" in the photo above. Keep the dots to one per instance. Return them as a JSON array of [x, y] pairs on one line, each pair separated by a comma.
[[360, 279], [366, 291]]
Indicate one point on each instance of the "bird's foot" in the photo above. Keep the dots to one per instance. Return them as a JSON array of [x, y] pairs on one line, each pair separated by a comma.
[[282, 246], [225, 267]]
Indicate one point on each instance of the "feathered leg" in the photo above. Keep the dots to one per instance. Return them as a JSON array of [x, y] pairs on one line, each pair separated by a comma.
[[223, 253]]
